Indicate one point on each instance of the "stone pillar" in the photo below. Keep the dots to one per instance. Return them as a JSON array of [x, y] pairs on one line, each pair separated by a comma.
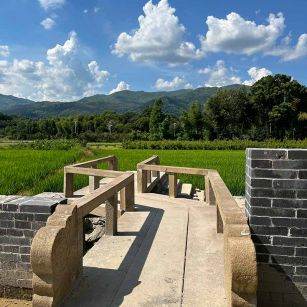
[[141, 181], [172, 182], [111, 216], [127, 197], [209, 194], [276, 207], [20, 219], [68, 184]]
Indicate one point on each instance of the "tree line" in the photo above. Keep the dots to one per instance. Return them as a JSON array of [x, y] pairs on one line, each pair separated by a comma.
[[274, 107]]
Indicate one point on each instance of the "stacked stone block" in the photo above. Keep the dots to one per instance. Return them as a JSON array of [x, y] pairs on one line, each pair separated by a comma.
[[276, 207], [20, 218]]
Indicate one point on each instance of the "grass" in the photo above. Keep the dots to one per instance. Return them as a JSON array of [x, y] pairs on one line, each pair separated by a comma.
[[34, 171], [21, 169]]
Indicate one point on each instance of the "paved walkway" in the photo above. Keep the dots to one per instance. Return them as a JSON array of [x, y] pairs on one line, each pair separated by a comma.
[[167, 253]]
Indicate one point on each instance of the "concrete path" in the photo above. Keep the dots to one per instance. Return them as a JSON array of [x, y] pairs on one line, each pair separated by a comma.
[[167, 253]]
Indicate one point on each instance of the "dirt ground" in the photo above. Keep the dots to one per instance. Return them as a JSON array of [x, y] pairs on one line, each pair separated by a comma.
[[5, 302]]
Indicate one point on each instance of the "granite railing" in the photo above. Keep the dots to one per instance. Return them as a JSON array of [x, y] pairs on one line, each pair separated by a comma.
[[57, 248], [239, 251]]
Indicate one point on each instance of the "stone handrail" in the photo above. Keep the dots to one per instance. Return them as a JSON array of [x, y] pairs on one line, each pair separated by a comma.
[[89, 168], [57, 248], [239, 252], [111, 160], [149, 167], [147, 180]]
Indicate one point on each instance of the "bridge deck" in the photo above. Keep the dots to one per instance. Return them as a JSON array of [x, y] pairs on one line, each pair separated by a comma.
[[167, 253]]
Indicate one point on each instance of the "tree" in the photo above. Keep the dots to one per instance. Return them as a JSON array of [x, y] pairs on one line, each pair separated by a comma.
[[227, 114], [156, 120], [273, 98], [192, 122]]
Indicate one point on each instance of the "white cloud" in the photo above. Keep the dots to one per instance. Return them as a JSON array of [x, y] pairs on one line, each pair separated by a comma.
[[238, 35], [85, 11], [96, 9], [296, 52], [48, 23], [99, 75], [51, 4], [219, 75], [256, 74], [4, 50], [62, 77], [160, 37], [176, 83], [121, 86]]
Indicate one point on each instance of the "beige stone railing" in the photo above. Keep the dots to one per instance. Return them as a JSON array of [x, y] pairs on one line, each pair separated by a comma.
[[151, 168], [87, 168], [57, 248], [239, 252]]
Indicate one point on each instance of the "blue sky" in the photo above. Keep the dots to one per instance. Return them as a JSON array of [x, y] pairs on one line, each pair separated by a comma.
[[67, 49]]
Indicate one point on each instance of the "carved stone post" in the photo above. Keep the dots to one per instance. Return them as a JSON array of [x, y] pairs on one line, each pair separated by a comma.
[[68, 184], [172, 178], [210, 198], [111, 216], [127, 197], [141, 181]]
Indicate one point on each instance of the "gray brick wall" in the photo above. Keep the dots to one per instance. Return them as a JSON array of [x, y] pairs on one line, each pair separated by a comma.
[[20, 218], [276, 207]]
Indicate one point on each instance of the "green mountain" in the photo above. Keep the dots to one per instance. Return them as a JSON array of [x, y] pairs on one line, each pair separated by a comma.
[[7, 102], [121, 102]]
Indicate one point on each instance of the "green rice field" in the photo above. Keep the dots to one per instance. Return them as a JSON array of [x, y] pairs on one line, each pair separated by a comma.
[[26, 171]]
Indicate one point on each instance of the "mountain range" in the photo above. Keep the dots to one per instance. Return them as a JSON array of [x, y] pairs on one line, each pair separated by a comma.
[[125, 101]]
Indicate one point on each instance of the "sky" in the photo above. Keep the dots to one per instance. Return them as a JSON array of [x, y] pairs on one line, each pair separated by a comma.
[[63, 50]]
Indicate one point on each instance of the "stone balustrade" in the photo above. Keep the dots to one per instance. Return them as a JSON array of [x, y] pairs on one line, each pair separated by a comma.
[[239, 251], [84, 168], [57, 248]]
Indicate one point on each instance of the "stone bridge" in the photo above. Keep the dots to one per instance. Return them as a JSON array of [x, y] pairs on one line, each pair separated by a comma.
[[164, 250]]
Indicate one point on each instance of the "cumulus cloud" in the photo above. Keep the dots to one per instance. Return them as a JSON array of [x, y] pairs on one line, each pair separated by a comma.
[[121, 86], [85, 11], [4, 50], [61, 77], [160, 37], [289, 53], [219, 75], [176, 83], [238, 35], [48, 23], [256, 74]]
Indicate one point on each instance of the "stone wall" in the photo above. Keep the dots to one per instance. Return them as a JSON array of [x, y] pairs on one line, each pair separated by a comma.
[[20, 218], [276, 207]]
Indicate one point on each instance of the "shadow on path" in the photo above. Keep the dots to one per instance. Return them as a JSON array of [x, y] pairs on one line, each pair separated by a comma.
[[99, 286]]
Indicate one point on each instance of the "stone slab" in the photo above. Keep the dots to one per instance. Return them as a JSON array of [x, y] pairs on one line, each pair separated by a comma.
[[204, 268], [107, 263], [155, 277]]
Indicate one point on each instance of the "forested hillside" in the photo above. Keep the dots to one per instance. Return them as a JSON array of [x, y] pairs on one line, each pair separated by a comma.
[[274, 107], [120, 102]]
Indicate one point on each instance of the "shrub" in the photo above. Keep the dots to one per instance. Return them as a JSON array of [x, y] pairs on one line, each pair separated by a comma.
[[214, 145]]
